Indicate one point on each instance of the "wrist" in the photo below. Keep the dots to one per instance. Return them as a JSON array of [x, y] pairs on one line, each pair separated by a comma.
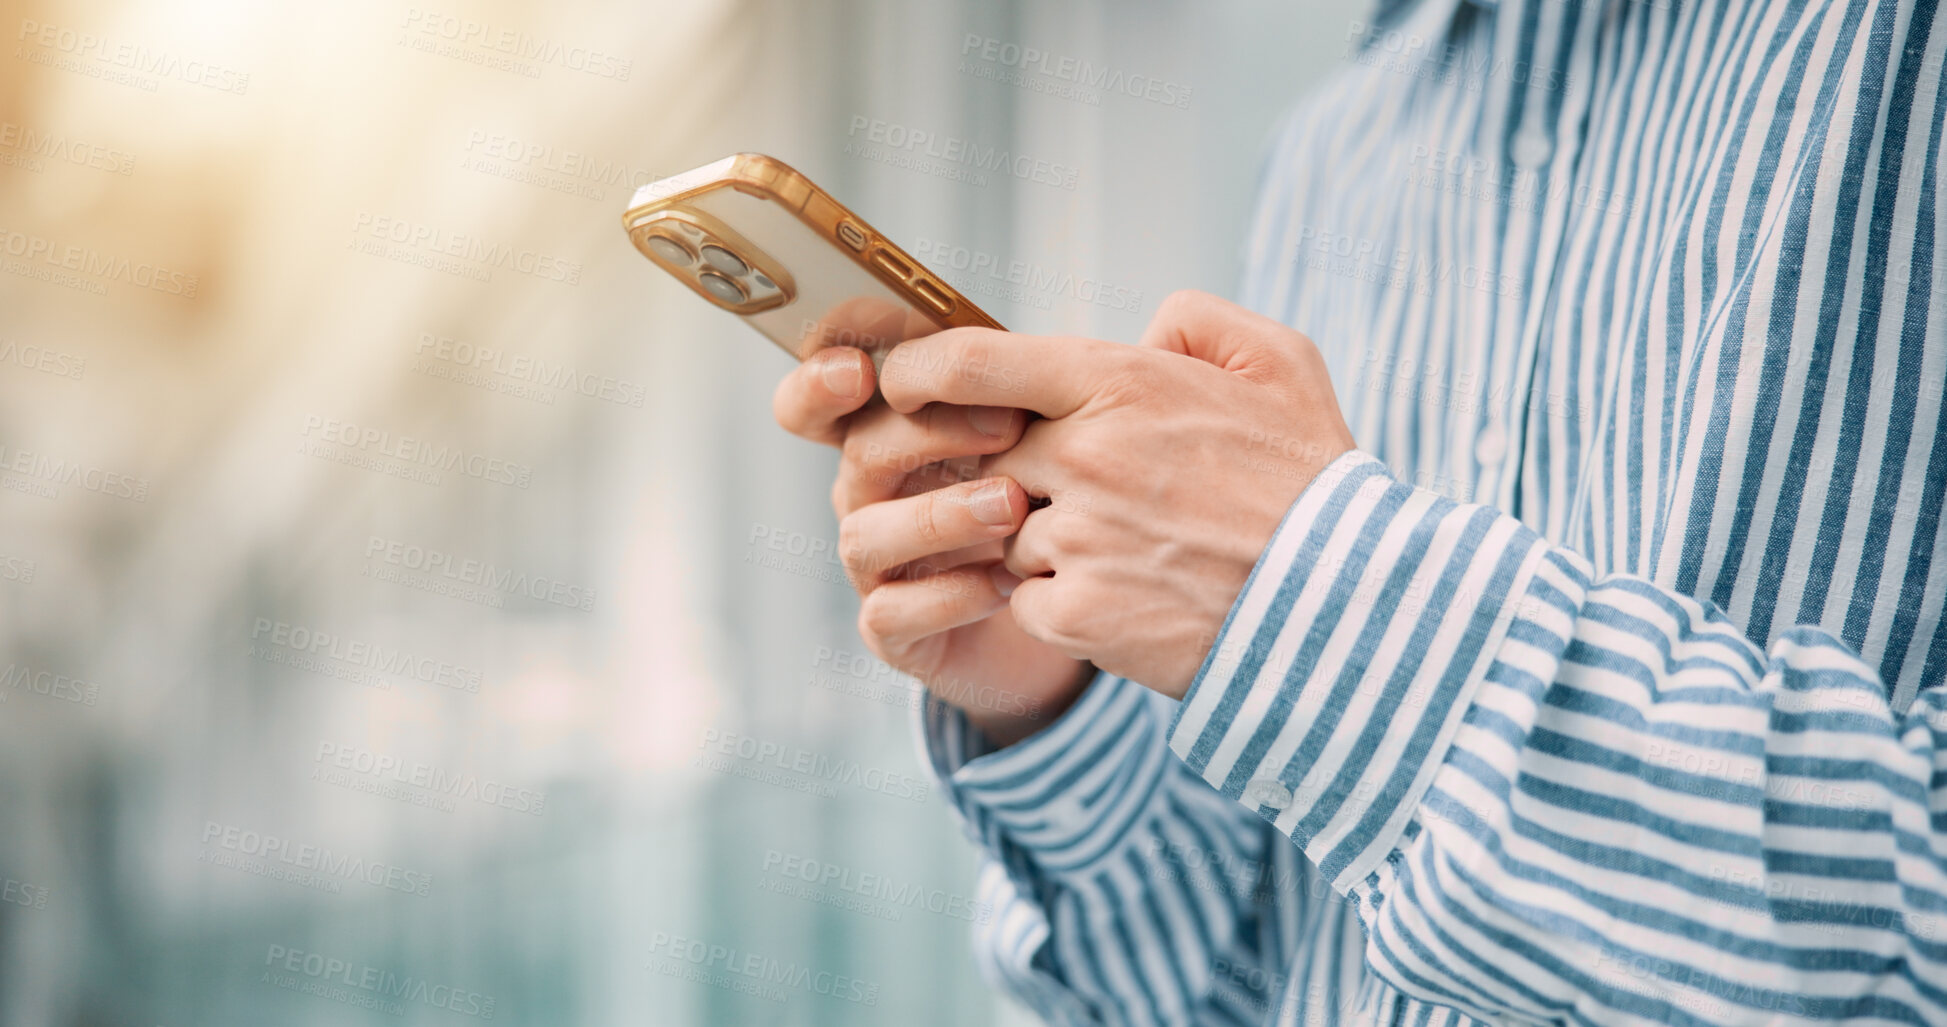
[[1003, 729]]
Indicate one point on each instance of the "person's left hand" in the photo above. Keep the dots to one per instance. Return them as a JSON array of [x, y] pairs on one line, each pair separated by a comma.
[[1169, 467]]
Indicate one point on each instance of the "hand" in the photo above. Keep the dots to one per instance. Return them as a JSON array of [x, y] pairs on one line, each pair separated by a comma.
[[922, 543], [1170, 465]]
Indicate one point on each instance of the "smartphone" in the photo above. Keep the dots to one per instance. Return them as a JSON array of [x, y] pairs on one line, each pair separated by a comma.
[[753, 236]]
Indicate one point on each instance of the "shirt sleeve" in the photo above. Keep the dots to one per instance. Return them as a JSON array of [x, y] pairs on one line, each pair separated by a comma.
[[1117, 887], [1560, 795]]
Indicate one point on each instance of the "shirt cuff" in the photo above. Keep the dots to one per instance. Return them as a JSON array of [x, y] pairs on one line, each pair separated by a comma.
[[1349, 659], [1068, 795]]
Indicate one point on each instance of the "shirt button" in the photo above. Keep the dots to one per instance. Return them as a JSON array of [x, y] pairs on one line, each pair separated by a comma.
[[1492, 444], [1532, 148], [1267, 791]]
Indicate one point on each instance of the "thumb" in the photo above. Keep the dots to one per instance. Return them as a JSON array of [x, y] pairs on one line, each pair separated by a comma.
[[1217, 331]]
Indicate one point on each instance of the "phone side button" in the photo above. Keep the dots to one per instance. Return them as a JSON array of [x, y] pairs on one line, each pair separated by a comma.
[[891, 265], [851, 235], [933, 296]]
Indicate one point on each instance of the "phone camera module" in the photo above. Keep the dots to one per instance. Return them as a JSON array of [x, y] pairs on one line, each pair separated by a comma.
[[725, 290], [670, 250], [725, 261]]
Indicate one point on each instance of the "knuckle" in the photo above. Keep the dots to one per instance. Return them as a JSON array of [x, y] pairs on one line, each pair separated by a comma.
[[1047, 614], [980, 443], [1017, 561], [1062, 536], [1061, 613], [1184, 303], [852, 548], [941, 429], [875, 622], [1083, 455], [852, 449], [1129, 373], [1301, 347], [789, 406], [965, 347], [929, 516]]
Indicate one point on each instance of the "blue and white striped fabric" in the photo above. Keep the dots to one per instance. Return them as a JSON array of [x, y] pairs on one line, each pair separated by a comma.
[[1608, 683]]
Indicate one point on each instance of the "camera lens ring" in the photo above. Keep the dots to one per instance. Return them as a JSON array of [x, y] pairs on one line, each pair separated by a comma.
[[724, 261], [670, 250], [722, 289]]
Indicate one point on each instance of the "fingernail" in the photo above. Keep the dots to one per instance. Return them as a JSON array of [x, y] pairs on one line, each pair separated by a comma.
[[842, 376], [990, 503], [992, 422], [1004, 579]]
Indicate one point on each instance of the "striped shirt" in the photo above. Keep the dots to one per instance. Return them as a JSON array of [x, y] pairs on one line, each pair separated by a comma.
[[1607, 683]]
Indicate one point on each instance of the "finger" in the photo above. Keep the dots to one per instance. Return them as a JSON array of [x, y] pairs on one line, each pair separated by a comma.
[[1217, 331], [1051, 376], [815, 398], [1037, 604], [1031, 552], [875, 539], [883, 447], [1032, 460], [899, 614], [991, 552], [869, 323]]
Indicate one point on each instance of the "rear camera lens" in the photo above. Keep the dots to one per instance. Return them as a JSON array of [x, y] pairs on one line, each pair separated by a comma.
[[669, 249], [722, 288], [724, 260]]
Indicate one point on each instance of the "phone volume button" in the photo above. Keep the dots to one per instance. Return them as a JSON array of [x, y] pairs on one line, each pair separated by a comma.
[[934, 298], [891, 265], [851, 235]]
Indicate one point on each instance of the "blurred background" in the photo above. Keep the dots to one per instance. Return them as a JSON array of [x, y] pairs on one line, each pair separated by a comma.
[[411, 613]]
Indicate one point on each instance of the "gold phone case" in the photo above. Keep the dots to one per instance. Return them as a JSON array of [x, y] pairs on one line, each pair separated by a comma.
[[754, 237]]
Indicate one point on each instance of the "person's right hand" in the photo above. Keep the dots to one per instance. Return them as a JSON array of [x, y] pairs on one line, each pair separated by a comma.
[[923, 546]]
